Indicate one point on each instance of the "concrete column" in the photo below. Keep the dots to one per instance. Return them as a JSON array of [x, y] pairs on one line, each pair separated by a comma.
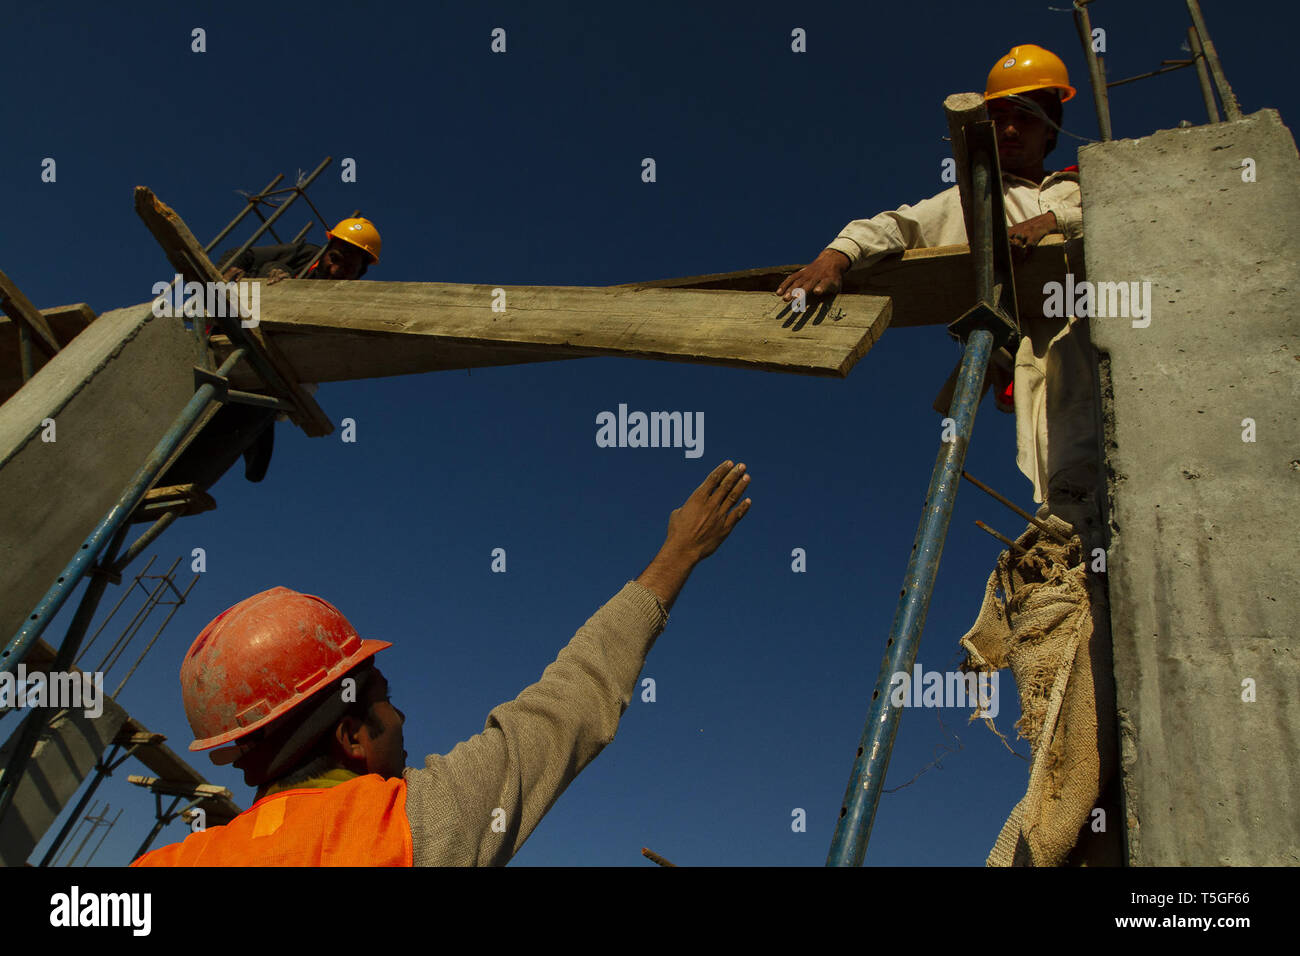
[[1202, 448], [111, 394]]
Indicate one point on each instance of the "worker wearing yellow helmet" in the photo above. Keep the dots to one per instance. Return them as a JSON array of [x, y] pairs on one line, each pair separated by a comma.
[[1025, 90], [1048, 382], [353, 246]]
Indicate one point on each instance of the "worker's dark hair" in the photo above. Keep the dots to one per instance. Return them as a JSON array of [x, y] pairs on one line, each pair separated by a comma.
[[364, 711], [301, 745], [361, 709]]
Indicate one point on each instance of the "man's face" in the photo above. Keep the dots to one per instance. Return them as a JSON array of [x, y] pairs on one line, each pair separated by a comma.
[[1022, 136], [341, 260], [385, 753]]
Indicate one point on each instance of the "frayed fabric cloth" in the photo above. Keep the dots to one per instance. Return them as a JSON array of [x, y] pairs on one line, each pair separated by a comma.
[[1037, 619]]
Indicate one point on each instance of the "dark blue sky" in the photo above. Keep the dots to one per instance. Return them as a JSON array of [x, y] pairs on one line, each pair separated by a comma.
[[524, 168]]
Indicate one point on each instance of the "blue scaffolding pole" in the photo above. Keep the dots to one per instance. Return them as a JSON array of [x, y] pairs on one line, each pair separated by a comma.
[[991, 324]]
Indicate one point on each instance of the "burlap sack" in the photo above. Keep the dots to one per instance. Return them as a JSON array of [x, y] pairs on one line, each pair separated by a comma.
[[1036, 619]]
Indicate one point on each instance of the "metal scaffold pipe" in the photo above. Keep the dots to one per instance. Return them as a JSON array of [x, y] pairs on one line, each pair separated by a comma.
[[112, 522], [858, 811], [985, 327]]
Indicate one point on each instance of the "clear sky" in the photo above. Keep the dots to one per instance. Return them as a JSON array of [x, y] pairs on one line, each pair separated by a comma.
[[525, 168]]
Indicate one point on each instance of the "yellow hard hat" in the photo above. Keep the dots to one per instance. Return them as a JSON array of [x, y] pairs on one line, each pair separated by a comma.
[[1028, 67], [360, 233]]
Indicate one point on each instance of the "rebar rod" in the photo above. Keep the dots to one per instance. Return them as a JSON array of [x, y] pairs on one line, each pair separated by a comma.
[[1231, 108], [1203, 76], [1020, 511], [1096, 73], [280, 211], [251, 201]]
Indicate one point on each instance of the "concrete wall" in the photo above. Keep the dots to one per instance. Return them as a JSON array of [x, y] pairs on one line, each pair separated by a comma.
[[113, 393], [1204, 564]]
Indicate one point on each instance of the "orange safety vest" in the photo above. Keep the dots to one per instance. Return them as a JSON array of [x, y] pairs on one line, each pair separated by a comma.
[[358, 823]]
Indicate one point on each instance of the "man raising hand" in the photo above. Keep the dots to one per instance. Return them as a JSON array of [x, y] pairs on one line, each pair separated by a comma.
[[289, 692]]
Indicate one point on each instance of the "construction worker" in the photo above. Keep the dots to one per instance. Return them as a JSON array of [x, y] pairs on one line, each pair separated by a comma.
[[288, 690], [352, 247], [1057, 449], [1025, 91]]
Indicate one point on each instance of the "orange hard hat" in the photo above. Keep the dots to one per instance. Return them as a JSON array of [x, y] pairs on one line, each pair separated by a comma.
[[1025, 68], [361, 233], [263, 657]]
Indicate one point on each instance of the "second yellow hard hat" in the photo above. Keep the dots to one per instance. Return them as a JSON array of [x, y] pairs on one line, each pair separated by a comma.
[[360, 233]]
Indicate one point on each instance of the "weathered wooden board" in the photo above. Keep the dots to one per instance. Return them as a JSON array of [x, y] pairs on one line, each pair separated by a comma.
[[65, 322], [928, 286], [20, 309], [331, 331]]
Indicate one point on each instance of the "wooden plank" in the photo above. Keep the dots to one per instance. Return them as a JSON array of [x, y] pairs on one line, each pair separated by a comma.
[[19, 308], [66, 322], [176, 788], [130, 740], [930, 286], [331, 330], [189, 499], [163, 761], [186, 255], [78, 315]]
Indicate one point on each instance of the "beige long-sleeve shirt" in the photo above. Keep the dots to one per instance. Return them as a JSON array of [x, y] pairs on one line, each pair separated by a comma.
[[1055, 416], [477, 805]]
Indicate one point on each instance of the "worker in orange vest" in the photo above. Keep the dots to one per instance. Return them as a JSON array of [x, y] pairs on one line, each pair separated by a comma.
[[288, 690]]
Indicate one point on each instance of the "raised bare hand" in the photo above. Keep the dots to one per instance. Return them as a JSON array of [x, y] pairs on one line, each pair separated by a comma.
[[698, 527]]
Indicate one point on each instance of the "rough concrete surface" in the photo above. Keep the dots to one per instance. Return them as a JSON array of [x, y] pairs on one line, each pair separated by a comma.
[[1204, 564], [112, 393]]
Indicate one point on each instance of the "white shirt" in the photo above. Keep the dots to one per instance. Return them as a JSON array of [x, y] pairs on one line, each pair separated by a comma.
[[1053, 378], [938, 221]]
